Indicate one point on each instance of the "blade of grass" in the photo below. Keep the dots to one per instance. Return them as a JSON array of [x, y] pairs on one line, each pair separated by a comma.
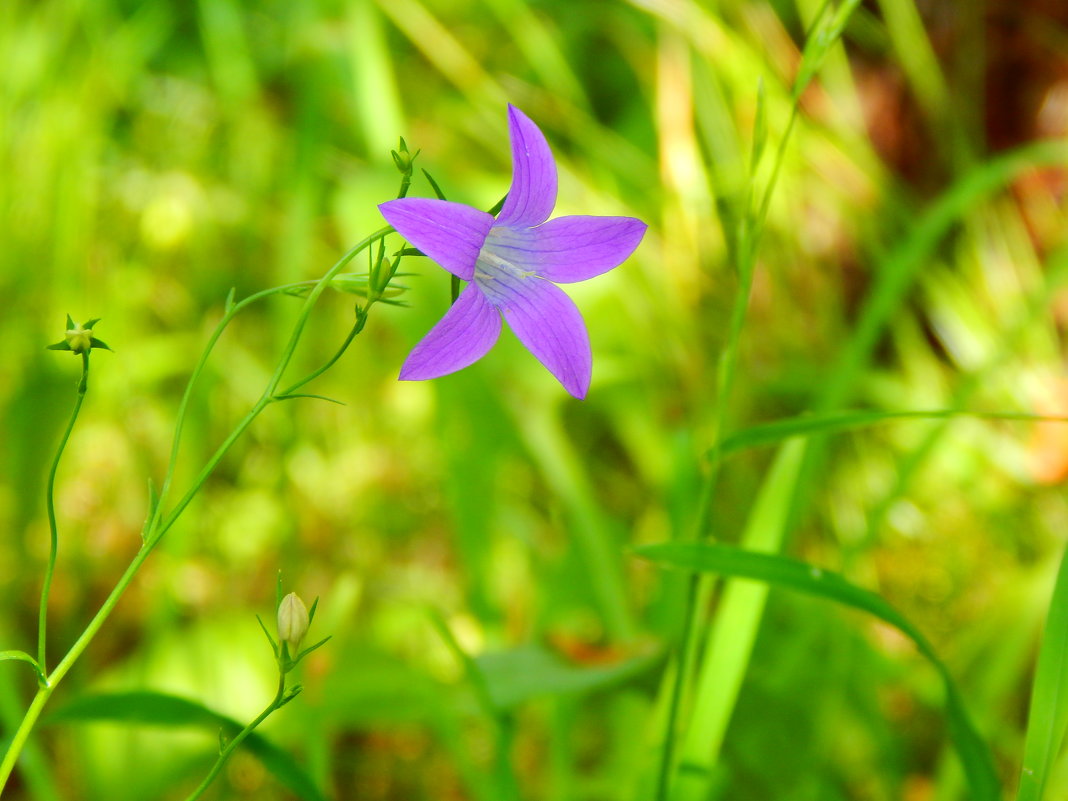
[[160, 709], [846, 421], [1048, 717], [544, 436], [734, 628], [772, 569], [378, 102], [1056, 274], [442, 49], [726, 654]]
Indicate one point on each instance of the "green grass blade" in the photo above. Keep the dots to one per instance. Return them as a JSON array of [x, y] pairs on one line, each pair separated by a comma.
[[802, 577], [845, 421], [729, 646], [160, 709], [518, 675], [827, 30], [1048, 718]]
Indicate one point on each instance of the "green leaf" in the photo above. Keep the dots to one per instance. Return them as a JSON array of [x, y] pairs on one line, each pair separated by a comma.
[[159, 709], [496, 207], [434, 185], [512, 677], [309, 649], [22, 656], [295, 395], [802, 577], [839, 422], [1048, 718], [270, 639]]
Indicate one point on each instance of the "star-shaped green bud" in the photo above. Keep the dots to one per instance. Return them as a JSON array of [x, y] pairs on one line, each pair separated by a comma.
[[79, 337], [402, 158]]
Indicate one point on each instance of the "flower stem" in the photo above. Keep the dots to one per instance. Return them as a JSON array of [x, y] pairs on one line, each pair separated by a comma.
[[53, 549], [698, 586], [231, 746], [357, 327], [157, 524]]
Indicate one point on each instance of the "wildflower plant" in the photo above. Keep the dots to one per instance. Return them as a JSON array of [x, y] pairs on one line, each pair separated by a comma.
[[511, 262], [721, 525]]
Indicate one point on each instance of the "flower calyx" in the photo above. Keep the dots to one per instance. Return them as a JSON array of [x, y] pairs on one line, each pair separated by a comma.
[[79, 338]]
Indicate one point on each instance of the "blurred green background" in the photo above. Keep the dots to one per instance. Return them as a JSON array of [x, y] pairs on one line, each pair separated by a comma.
[[155, 154]]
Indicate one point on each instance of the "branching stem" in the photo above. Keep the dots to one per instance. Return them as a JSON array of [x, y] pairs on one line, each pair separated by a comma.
[[159, 523]]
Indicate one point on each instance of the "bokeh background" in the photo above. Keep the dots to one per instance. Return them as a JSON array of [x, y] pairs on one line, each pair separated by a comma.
[[155, 154]]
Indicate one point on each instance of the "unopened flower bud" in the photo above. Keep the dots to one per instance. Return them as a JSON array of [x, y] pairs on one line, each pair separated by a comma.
[[79, 338], [292, 621], [380, 275], [402, 158]]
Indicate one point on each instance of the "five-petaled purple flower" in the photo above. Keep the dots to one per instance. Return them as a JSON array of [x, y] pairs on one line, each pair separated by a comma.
[[511, 262]]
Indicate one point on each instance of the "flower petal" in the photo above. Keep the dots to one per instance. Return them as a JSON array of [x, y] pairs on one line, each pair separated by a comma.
[[547, 321], [533, 193], [568, 249], [449, 233], [462, 337]]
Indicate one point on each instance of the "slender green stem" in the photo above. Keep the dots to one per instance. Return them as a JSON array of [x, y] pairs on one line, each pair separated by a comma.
[[158, 524], [749, 237], [53, 548], [233, 309], [227, 752], [22, 733], [357, 327], [18, 740]]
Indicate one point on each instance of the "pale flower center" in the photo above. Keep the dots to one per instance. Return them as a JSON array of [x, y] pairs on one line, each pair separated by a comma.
[[499, 278]]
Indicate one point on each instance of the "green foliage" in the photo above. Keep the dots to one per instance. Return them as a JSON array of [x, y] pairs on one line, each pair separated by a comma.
[[856, 256], [1048, 717], [793, 574], [159, 709]]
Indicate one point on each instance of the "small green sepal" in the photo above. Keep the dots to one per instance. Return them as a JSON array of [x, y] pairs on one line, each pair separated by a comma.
[[402, 158], [79, 337], [434, 185], [270, 639]]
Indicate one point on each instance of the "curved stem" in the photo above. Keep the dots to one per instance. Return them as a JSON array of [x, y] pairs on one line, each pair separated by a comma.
[[53, 549], [227, 752], [357, 327], [697, 585], [157, 525], [18, 739]]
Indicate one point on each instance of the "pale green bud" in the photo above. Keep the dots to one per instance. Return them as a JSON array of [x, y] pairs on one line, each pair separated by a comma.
[[292, 621], [79, 338]]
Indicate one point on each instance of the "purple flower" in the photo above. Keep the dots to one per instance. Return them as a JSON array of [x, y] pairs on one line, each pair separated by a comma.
[[511, 263]]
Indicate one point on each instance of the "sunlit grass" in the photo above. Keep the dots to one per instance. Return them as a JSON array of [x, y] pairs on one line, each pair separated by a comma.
[[154, 156]]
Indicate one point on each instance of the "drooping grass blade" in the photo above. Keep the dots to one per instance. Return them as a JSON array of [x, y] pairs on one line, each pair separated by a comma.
[[1048, 718], [782, 571]]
